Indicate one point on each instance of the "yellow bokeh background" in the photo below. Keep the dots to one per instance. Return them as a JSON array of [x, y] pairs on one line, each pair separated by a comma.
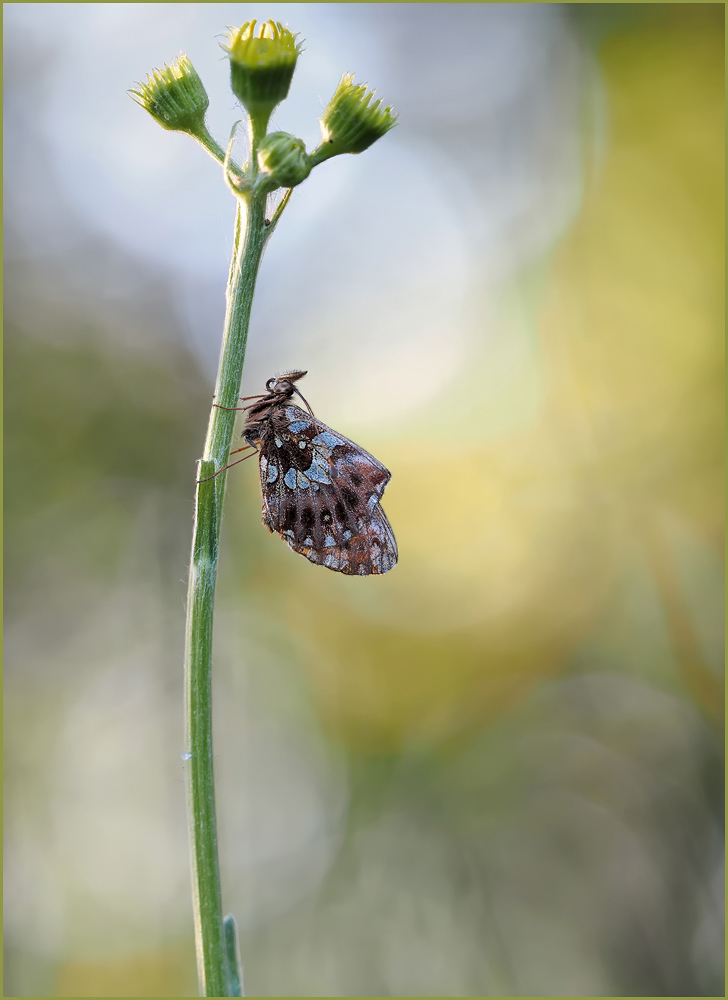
[[511, 543]]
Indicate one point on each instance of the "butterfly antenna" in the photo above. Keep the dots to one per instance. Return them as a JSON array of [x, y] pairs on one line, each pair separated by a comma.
[[299, 393]]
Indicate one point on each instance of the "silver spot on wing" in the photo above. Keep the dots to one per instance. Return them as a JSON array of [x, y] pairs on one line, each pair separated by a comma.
[[327, 439], [317, 471], [290, 479]]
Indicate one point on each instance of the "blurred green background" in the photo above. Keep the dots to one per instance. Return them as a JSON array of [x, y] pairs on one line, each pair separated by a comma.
[[498, 769]]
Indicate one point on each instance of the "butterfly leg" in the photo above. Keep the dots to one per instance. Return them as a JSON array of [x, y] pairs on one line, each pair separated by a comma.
[[237, 462], [242, 400]]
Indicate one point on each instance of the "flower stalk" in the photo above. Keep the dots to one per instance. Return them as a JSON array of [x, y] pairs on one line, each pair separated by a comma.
[[249, 242], [261, 68]]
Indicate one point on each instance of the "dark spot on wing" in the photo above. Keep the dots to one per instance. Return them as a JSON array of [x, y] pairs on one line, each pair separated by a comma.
[[340, 511], [307, 519], [355, 478], [289, 518], [350, 497]]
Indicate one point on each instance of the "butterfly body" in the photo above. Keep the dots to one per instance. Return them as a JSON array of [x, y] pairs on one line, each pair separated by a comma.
[[321, 491]]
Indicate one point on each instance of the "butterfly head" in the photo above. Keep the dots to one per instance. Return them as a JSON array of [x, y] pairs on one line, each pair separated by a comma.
[[280, 390], [283, 384]]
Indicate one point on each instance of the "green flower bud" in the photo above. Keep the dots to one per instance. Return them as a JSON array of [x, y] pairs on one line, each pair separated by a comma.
[[282, 161], [175, 97], [261, 68], [351, 123]]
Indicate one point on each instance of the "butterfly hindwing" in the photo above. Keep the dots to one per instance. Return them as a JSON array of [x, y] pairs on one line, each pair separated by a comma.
[[372, 551], [321, 492]]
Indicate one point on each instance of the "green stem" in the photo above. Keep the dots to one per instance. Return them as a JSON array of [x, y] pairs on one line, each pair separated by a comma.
[[279, 211], [216, 151], [209, 932]]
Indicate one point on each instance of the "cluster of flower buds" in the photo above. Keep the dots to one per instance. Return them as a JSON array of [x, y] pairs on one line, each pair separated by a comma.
[[262, 64]]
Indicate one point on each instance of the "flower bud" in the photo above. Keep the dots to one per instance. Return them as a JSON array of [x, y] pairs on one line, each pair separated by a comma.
[[351, 123], [282, 160], [175, 97], [261, 68]]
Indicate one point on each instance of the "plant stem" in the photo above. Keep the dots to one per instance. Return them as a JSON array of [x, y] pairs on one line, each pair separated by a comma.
[[216, 151], [206, 894]]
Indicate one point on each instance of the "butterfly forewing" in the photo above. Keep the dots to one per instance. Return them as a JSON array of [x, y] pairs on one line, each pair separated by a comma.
[[321, 492]]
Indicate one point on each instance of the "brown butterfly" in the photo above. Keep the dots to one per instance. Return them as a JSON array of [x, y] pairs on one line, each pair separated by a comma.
[[321, 491]]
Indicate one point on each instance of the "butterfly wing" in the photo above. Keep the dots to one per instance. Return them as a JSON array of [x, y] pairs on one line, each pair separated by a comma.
[[372, 551], [321, 492]]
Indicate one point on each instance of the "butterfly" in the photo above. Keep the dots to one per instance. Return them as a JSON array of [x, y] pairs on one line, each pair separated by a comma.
[[321, 491]]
